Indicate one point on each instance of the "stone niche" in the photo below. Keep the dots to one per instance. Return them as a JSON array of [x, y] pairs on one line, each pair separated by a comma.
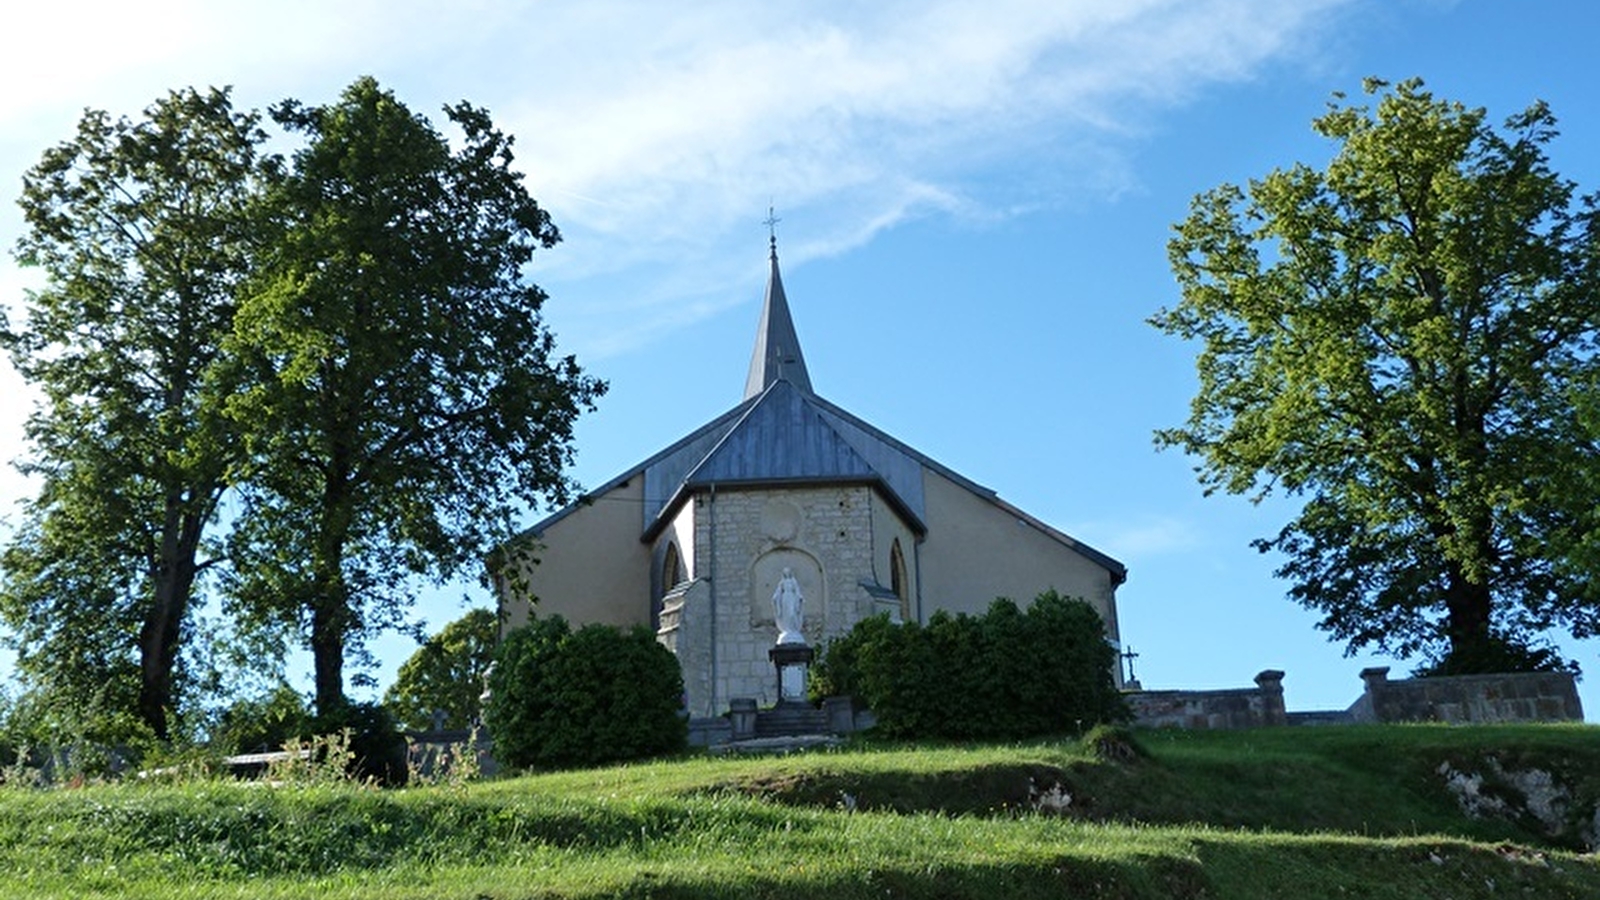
[[767, 571]]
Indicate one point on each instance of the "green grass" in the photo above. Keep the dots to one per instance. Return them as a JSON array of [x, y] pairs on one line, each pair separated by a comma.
[[1303, 813]]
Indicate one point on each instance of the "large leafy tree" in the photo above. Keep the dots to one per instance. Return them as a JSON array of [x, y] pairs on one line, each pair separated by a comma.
[[143, 230], [1401, 339], [407, 397], [446, 674]]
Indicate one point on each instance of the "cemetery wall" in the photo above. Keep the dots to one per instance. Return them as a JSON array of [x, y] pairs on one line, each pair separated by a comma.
[[1464, 699], [1234, 708]]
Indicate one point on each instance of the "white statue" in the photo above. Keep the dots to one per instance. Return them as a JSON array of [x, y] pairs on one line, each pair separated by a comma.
[[786, 602]]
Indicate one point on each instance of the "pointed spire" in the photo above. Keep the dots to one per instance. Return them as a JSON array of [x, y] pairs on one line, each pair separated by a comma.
[[777, 353]]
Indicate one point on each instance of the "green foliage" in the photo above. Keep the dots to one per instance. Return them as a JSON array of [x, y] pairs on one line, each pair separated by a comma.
[[360, 741], [564, 698], [446, 673], [1406, 340], [370, 744], [346, 338], [403, 399], [1009, 673], [264, 723], [1115, 743], [143, 231], [1497, 654]]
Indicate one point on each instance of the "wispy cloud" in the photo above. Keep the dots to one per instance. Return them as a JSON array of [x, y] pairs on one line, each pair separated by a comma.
[[699, 115], [657, 133], [1141, 537]]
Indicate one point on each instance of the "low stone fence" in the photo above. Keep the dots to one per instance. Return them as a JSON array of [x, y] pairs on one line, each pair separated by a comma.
[[1456, 699], [1462, 699], [1234, 708]]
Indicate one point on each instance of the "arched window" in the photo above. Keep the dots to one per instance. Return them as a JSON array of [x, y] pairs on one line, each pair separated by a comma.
[[672, 573], [897, 580]]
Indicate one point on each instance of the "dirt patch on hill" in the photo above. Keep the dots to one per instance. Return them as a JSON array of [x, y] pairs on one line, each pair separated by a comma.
[[985, 790]]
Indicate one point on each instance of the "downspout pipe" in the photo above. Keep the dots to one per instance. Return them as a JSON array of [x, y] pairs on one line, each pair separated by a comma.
[[715, 680], [916, 563]]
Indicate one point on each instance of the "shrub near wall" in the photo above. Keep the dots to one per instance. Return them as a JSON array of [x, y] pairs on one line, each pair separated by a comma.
[[1007, 674], [600, 694]]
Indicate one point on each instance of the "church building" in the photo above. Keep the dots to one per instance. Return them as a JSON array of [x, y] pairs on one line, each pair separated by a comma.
[[788, 489]]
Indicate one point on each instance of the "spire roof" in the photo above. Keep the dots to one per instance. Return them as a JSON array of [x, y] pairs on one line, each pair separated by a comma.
[[777, 355]]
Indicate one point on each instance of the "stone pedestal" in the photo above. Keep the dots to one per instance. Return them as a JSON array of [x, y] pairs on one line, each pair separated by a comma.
[[742, 713], [792, 661]]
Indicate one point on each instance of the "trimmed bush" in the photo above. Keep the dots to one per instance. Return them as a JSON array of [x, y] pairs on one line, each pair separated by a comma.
[[560, 697], [1007, 674]]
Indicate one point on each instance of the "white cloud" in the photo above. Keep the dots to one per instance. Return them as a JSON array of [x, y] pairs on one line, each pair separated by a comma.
[[661, 128], [1137, 539], [658, 133], [696, 118]]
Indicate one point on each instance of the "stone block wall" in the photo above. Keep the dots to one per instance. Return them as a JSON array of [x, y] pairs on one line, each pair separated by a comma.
[[743, 540], [1460, 700], [686, 630], [1463, 699], [1233, 708]]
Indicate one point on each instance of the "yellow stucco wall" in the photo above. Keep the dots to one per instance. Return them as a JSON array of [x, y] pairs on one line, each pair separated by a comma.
[[594, 569], [888, 527], [977, 550]]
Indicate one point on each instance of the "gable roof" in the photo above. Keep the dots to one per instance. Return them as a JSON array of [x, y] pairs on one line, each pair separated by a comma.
[[781, 438], [784, 434], [788, 436]]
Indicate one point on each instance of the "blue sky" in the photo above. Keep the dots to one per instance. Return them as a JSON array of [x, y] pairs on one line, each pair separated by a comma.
[[975, 202]]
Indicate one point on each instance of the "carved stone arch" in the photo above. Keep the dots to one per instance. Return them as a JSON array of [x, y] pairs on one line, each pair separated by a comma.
[[765, 572]]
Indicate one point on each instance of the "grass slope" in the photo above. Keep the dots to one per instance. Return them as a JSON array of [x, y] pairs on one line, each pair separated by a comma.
[[1301, 813]]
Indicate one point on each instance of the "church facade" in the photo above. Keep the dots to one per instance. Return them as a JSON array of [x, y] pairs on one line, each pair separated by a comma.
[[787, 489]]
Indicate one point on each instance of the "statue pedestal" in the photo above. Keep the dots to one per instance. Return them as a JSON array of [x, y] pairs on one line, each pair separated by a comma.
[[792, 661]]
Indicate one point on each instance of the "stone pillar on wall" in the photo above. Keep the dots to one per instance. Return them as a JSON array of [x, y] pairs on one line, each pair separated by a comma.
[[686, 631], [1370, 707], [1273, 712]]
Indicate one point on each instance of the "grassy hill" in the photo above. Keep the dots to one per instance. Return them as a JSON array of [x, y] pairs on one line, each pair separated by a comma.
[[1302, 813]]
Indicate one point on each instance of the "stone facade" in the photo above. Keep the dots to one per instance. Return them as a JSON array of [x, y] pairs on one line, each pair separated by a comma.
[[743, 540], [686, 630]]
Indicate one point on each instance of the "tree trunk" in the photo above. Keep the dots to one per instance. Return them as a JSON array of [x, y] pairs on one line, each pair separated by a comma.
[[161, 636], [327, 653], [1468, 603], [330, 604]]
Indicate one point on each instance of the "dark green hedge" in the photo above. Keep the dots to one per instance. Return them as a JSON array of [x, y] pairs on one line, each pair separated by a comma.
[[600, 694], [1009, 673]]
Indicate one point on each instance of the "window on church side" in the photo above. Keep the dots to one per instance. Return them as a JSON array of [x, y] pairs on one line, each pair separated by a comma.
[[672, 572], [672, 575]]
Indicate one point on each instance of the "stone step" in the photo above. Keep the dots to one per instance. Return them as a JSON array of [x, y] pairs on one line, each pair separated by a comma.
[[791, 719]]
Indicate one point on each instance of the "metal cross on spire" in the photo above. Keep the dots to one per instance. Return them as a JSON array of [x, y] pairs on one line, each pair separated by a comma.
[[771, 221]]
